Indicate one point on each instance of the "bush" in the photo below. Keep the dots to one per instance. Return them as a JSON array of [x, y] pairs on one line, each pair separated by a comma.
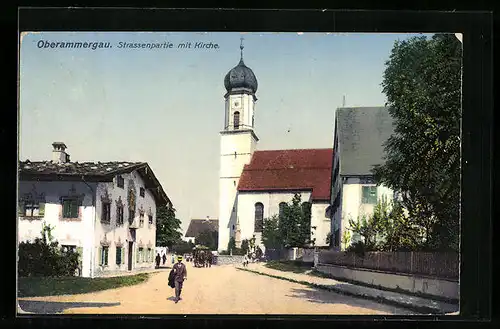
[[358, 248], [44, 257], [41, 259]]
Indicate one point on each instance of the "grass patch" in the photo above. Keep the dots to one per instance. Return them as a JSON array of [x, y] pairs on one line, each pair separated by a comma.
[[289, 266], [45, 286]]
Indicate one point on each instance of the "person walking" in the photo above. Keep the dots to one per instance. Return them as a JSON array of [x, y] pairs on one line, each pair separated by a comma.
[[180, 273], [164, 258], [158, 260]]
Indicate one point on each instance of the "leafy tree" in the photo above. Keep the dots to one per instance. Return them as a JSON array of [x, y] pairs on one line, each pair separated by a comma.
[[44, 257], [422, 82], [346, 238], [294, 226], [245, 246], [270, 233], [183, 247], [208, 239], [168, 227], [231, 245]]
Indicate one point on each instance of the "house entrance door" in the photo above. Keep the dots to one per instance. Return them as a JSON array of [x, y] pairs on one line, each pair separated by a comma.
[[130, 250]]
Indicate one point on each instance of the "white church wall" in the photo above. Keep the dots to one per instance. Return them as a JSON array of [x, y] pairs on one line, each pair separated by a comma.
[[240, 142], [320, 219], [117, 235], [76, 232], [352, 206], [270, 200], [231, 167], [227, 218]]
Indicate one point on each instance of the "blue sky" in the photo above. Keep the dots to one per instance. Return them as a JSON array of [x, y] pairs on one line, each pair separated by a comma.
[[166, 106]]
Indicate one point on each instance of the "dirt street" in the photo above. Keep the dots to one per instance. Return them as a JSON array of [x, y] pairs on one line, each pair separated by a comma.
[[215, 290]]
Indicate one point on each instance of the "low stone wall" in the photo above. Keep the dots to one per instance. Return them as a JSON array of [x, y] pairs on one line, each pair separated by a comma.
[[412, 283], [228, 259]]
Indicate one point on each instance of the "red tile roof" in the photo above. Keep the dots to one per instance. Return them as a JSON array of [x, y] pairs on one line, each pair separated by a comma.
[[306, 169]]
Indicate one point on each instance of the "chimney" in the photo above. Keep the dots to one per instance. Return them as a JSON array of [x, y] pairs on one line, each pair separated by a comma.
[[59, 154]]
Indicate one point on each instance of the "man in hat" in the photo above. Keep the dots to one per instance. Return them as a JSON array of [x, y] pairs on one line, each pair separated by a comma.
[[180, 275]]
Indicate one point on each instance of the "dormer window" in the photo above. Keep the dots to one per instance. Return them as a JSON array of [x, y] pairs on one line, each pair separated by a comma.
[[142, 192], [120, 182]]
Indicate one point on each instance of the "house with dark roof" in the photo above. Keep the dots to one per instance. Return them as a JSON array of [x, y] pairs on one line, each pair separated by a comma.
[[104, 210], [359, 137], [197, 226]]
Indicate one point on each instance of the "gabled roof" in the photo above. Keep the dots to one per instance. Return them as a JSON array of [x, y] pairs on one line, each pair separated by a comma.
[[362, 131], [197, 226], [301, 169], [91, 172]]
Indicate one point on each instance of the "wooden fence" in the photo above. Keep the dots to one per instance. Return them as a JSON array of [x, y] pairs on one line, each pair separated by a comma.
[[442, 265]]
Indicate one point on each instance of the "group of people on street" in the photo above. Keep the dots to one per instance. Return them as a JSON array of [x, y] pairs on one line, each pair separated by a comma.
[[159, 259]]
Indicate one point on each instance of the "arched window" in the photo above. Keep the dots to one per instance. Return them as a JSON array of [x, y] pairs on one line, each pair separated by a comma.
[[236, 120], [282, 208], [259, 217]]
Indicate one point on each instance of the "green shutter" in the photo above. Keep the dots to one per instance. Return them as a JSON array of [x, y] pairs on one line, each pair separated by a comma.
[[65, 209], [74, 209], [41, 209], [100, 255], [123, 255], [21, 210]]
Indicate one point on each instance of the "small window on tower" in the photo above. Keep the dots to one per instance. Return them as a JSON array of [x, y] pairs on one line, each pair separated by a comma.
[[234, 182], [236, 120]]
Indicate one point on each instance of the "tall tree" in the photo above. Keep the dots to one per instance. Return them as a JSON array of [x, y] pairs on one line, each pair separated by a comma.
[[168, 227], [294, 225], [422, 82], [270, 233]]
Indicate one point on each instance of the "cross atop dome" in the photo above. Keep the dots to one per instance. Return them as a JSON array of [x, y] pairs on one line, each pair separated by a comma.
[[241, 49]]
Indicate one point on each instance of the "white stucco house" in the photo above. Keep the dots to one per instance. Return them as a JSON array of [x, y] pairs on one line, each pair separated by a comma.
[[253, 183], [106, 211], [359, 137]]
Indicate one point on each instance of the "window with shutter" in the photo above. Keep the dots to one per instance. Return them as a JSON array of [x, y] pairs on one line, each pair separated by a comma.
[[369, 194], [105, 255], [106, 213], [70, 207], [123, 255], [21, 210], [118, 255]]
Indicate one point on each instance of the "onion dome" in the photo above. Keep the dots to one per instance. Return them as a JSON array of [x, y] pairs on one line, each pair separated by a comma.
[[240, 76]]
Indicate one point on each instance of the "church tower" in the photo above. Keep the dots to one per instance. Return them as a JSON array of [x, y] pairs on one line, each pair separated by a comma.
[[238, 142]]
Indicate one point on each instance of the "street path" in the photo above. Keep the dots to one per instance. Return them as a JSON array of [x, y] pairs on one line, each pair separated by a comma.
[[215, 290]]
